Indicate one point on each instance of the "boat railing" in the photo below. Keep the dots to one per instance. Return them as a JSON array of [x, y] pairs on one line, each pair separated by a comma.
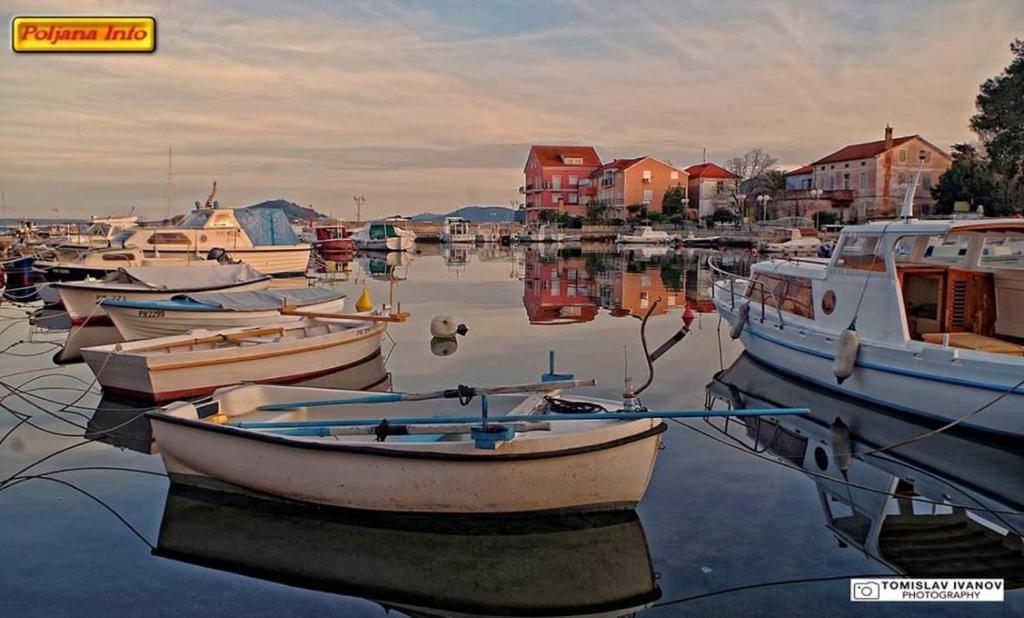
[[720, 276]]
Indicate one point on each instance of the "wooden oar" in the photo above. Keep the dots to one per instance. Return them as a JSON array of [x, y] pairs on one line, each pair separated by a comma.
[[449, 393], [326, 424], [395, 317], [220, 338]]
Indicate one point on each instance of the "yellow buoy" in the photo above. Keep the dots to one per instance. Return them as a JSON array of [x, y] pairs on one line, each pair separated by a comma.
[[364, 303]]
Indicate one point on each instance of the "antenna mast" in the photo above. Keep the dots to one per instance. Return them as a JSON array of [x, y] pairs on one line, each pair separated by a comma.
[[167, 191], [907, 212]]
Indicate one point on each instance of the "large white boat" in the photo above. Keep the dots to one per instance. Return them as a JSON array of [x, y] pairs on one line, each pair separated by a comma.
[[645, 235], [384, 236], [101, 232], [260, 237], [456, 230], [791, 240], [888, 321]]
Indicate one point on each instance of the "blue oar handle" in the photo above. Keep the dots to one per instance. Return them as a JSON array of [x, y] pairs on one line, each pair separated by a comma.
[[598, 416]]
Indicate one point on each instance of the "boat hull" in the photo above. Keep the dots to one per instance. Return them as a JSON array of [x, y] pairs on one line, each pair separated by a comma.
[[277, 260], [192, 373], [935, 384], [603, 469], [82, 302], [134, 323]]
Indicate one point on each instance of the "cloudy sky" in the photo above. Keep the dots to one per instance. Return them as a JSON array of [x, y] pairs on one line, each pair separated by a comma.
[[432, 105]]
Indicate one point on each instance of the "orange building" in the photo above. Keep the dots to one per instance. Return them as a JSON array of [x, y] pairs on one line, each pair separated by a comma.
[[643, 180]]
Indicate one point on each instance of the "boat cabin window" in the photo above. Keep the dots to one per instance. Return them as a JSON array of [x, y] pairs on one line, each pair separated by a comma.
[[380, 232], [860, 253], [790, 294], [118, 257], [197, 219], [223, 219], [119, 239]]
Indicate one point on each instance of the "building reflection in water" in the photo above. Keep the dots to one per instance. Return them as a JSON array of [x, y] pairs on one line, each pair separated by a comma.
[[950, 505], [572, 285]]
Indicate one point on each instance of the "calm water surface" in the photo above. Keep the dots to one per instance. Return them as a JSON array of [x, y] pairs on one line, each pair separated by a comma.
[[725, 510]]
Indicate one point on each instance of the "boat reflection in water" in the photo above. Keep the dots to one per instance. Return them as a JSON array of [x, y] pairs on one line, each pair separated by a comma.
[[122, 422], [588, 564], [949, 505]]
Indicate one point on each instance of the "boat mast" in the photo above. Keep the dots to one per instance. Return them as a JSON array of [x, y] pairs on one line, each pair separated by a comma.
[[907, 212]]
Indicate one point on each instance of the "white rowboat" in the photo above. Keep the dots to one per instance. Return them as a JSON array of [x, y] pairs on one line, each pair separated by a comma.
[[202, 361], [217, 310], [590, 464]]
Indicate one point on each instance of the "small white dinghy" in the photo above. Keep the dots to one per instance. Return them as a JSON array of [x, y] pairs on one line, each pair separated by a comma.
[[530, 449], [144, 319], [80, 298], [440, 466], [202, 361]]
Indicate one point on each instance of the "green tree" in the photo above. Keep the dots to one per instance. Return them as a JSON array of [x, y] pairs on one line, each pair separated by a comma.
[[597, 212], [775, 180], [547, 215], [1000, 121], [969, 179], [672, 201], [723, 215]]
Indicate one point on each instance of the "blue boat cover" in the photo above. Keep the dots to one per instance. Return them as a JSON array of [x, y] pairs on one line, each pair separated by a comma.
[[266, 226]]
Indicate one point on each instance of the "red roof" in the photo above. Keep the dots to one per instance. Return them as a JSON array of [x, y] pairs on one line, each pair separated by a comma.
[[807, 169], [862, 151], [552, 156], [710, 170], [618, 164]]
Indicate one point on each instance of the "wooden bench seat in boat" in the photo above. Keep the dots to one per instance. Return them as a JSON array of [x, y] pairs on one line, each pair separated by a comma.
[[974, 341]]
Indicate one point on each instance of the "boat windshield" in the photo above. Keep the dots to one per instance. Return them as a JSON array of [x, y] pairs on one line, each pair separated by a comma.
[[380, 232], [121, 237], [196, 219]]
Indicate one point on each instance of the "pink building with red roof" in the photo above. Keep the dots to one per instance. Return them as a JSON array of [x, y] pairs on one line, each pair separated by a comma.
[[711, 187], [871, 178], [554, 175]]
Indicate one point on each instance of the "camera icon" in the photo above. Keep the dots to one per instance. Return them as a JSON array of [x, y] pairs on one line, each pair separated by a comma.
[[866, 591]]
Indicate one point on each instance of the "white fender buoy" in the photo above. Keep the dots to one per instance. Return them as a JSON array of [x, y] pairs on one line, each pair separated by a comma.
[[846, 354], [443, 326], [742, 315]]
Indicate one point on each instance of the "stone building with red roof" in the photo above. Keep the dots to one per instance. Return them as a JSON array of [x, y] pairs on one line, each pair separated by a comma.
[[870, 179]]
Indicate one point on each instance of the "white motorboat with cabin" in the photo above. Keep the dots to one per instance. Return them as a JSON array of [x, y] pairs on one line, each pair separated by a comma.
[[101, 232], [791, 241], [260, 237], [646, 235], [201, 361], [883, 321], [456, 230], [384, 236], [540, 234], [144, 319]]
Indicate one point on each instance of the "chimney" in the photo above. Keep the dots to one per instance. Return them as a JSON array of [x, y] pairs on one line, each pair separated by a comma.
[[888, 137]]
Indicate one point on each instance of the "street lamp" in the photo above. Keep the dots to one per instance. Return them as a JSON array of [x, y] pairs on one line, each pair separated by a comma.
[[763, 200], [685, 202]]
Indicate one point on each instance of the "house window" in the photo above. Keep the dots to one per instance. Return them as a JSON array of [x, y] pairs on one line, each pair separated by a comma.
[[903, 155], [719, 187], [846, 165], [846, 181], [573, 160], [863, 180], [673, 175], [647, 176], [574, 199], [556, 182], [863, 163], [831, 183], [648, 196], [926, 155], [574, 181]]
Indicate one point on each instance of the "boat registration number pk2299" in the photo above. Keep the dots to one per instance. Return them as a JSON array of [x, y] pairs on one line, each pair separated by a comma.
[[151, 313]]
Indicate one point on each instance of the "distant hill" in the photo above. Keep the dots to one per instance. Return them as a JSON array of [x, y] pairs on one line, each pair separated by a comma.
[[474, 214], [291, 209]]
